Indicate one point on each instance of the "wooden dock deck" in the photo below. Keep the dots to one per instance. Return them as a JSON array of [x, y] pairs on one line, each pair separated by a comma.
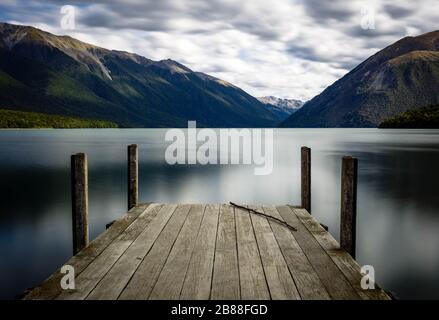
[[213, 251]]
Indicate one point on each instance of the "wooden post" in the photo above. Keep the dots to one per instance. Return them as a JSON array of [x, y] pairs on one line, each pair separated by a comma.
[[133, 173], [79, 191], [306, 178], [348, 217]]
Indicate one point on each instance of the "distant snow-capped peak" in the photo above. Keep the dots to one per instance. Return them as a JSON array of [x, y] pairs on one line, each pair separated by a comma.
[[285, 104], [282, 108]]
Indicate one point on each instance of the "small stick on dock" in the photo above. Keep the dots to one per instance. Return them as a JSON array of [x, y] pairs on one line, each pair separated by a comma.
[[306, 178], [263, 215], [133, 176], [79, 180], [349, 178]]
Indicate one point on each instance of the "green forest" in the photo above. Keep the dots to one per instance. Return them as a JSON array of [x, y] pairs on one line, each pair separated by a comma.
[[19, 119], [421, 118]]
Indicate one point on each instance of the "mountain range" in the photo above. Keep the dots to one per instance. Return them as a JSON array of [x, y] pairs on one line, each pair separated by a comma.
[[281, 106], [402, 76], [58, 75], [45, 73]]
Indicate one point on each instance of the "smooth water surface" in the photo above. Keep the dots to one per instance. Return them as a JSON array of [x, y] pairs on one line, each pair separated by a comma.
[[398, 216]]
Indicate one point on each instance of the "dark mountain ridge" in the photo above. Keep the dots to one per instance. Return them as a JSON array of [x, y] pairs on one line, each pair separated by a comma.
[[400, 77], [53, 74]]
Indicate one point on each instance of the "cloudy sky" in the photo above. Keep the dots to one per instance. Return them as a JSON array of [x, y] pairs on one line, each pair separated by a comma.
[[286, 48]]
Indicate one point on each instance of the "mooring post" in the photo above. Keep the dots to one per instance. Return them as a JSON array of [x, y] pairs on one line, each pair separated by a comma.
[[348, 219], [79, 180], [133, 173], [306, 178]]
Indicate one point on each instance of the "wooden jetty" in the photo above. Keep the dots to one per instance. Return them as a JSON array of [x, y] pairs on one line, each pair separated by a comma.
[[212, 251]]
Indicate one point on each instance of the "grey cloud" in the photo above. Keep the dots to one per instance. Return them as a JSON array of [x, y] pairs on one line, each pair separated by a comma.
[[216, 68], [306, 53], [397, 12], [357, 31], [256, 84], [153, 15], [30, 11], [150, 14], [101, 16], [263, 31], [346, 62], [327, 10]]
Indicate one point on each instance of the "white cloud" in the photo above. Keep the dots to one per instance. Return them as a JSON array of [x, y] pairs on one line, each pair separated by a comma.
[[287, 48]]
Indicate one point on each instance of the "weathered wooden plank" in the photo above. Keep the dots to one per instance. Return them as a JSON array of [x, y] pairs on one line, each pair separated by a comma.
[[341, 258], [351, 270], [110, 287], [306, 279], [280, 282], [171, 279], [144, 229], [335, 282], [225, 282], [251, 273], [142, 282], [197, 283], [51, 288], [324, 238]]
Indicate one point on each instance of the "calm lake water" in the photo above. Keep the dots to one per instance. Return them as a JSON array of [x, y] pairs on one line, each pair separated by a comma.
[[398, 216]]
